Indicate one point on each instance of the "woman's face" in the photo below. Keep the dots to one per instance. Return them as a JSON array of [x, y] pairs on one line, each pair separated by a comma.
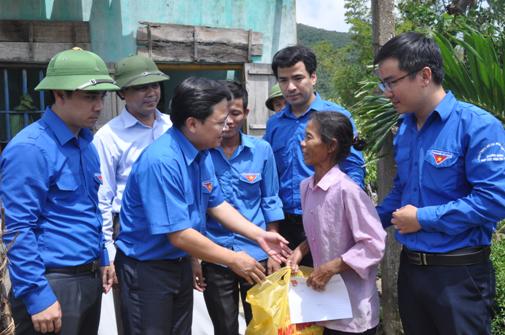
[[315, 151]]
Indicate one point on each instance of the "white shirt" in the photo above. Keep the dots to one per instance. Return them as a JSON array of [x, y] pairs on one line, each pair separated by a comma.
[[119, 143]]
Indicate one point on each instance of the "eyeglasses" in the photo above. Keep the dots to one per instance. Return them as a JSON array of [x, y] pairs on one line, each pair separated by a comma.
[[388, 85]]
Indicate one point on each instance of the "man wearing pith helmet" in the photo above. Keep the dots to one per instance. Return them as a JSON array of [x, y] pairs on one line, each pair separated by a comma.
[[120, 142], [50, 175]]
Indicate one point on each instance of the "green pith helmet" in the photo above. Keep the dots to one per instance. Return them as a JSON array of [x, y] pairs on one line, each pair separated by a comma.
[[137, 70], [275, 92], [77, 69]]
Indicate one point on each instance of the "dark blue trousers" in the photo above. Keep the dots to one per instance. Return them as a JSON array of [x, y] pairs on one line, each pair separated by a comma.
[[446, 300], [80, 298], [156, 296]]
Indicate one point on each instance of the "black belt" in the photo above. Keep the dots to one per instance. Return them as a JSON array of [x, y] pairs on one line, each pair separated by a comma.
[[292, 218], [460, 257], [88, 267]]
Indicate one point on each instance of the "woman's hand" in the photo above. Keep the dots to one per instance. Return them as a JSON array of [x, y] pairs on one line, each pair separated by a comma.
[[322, 274]]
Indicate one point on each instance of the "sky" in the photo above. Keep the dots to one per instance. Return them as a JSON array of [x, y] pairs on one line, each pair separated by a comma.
[[325, 14]]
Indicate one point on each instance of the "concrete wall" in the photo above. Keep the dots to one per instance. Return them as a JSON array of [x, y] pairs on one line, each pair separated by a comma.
[[113, 23]]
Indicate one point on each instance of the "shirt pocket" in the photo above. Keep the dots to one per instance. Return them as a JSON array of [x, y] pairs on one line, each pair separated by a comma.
[[443, 169], [66, 185], [249, 186]]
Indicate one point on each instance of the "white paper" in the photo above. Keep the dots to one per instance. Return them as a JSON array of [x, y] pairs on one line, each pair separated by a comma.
[[308, 305]]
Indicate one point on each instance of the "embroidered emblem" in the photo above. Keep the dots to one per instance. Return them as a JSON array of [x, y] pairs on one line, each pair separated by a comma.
[[492, 152], [250, 176], [207, 185], [440, 156]]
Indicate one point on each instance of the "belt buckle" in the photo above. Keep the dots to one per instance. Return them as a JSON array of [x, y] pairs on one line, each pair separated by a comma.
[[94, 266], [420, 258]]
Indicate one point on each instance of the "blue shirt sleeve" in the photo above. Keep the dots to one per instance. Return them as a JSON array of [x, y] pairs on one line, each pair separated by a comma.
[[271, 204], [24, 186], [485, 171], [390, 203]]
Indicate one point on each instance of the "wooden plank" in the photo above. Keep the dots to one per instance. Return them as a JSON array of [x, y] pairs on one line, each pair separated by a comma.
[[42, 52], [45, 31], [212, 45]]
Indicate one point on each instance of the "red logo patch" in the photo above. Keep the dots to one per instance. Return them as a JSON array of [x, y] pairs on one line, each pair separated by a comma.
[[251, 177], [440, 156], [207, 185]]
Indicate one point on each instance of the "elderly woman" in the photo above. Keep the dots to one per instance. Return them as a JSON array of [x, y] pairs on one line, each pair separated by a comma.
[[344, 233]]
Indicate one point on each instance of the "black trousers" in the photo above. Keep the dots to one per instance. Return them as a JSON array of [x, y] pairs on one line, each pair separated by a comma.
[[294, 233], [446, 300], [80, 298], [156, 296], [221, 297]]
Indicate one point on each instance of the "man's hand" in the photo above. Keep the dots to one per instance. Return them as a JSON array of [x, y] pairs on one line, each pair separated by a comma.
[[198, 279], [322, 274], [109, 277], [49, 320], [247, 267], [274, 245], [272, 266], [405, 220]]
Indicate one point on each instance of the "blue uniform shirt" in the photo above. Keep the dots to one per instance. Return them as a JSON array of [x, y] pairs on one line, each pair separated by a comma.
[[453, 170], [49, 187], [169, 189], [284, 133], [249, 183]]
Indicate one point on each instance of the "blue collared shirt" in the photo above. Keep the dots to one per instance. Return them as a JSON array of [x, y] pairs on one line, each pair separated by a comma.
[[49, 187], [169, 189], [453, 171], [249, 183], [284, 133]]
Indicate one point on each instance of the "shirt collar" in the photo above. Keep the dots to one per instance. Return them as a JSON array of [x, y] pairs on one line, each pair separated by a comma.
[[129, 120], [246, 141], [443, 109], [446, 106], [189, 151], [329, 179], [317, 105], [61, 130]]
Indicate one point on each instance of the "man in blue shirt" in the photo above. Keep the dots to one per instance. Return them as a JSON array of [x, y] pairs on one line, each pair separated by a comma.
[[295, 70], [447, 196], [245, 169], [171, 188], [50, 177]]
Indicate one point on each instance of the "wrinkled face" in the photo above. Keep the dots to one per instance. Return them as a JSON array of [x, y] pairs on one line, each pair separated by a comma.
[[81, 109], [209, 133], [236, 118], [142, 100], [315, 151], [296, 84], [278, 103], [404, 91]]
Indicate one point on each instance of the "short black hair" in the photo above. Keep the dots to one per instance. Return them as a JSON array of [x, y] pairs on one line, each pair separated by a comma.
[[196, 97], [289, 56], [414, 51], [238, 91], [334, 125]]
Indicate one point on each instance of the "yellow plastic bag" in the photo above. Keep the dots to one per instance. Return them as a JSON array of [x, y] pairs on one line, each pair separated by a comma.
[[270, 307]]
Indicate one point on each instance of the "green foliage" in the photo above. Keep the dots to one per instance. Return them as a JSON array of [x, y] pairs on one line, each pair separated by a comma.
[[309, 36], [498, 258]]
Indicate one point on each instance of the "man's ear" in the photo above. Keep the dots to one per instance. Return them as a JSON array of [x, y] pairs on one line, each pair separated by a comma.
[[426, 75], [313, 78], [246, 112], [191, 124], [58, 95]]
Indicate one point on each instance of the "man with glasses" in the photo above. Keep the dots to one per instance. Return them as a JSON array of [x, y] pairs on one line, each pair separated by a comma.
[[447, 196], [120, 142], [50, 178], [171, 188]]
